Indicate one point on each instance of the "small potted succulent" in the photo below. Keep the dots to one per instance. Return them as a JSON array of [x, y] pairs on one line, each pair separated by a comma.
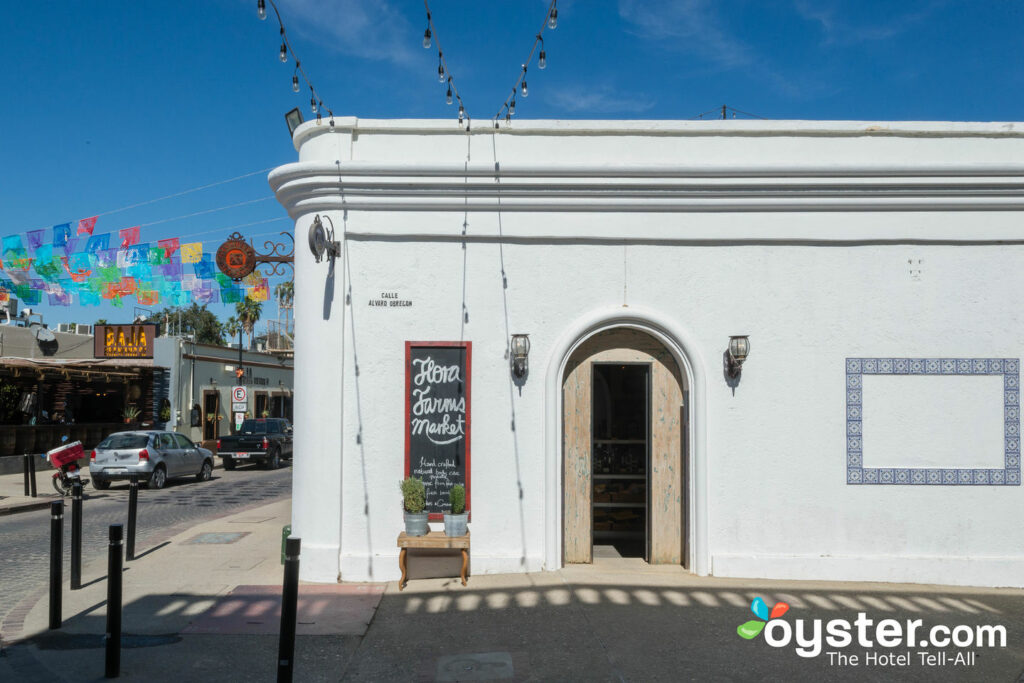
[[414, 499], [455, 522]]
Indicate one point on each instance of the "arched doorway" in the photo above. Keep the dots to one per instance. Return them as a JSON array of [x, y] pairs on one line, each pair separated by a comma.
[[624, 450]]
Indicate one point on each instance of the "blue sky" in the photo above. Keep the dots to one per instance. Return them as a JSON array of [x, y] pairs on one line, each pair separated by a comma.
[[111, 104]]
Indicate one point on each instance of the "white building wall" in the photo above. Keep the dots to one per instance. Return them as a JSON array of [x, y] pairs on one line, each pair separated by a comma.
[[821, 241]]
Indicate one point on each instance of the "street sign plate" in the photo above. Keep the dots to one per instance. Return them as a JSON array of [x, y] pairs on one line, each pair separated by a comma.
[[240, 407]]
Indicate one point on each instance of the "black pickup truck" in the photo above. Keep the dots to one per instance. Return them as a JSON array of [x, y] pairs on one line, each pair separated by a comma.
[[265, 440]]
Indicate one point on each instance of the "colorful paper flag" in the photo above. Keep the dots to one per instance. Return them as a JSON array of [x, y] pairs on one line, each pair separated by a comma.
[[12, 243], [169, 246], [192, 252], [98, 242], [61, 234], [204, 267], [157, 256], [86, 225], [129, 236], [35, 238]]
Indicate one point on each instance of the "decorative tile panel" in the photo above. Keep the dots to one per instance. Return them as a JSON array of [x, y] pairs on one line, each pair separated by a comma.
[[856, 473]]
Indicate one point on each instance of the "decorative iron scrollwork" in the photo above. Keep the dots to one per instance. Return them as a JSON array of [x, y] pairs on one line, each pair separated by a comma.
[[278, 255]]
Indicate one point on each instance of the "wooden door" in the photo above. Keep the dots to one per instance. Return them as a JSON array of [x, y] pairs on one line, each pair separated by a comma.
[[665, 475]]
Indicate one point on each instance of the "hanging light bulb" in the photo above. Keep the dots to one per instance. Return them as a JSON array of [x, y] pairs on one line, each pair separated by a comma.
[[284, 47], [261, 9], [426, 39], [512, 107], [542, 61], [312, 101], [440, 69], [448, 95], [295, 84], [462, 113], [524, 90], [553, 19]]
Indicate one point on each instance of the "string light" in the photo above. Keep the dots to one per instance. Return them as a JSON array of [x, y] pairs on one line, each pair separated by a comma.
[[316, 103], [508, 107], [444, 74]]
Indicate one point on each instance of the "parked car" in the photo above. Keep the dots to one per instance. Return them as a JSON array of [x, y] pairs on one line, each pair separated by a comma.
[[265, 440], [154, 456]]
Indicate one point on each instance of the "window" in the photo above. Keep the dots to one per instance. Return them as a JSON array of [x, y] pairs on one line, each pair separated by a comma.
[[273, 427], [183, 441], [166, 442], [124, 440]]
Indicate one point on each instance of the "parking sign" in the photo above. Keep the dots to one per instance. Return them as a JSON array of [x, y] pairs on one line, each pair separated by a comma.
[[239, 394]]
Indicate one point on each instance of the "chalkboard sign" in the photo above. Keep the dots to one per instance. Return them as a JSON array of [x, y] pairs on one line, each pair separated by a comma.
[[437, 417]]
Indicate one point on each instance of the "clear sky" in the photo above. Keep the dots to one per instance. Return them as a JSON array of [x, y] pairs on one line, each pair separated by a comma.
[[114, 103]]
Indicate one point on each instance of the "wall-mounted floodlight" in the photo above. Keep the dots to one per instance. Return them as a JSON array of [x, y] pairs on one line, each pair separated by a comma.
[[294, 120], [321, 240]]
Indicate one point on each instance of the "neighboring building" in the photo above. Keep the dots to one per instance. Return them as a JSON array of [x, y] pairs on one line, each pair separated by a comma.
[[201, 379], [54, 384], [873, 433]]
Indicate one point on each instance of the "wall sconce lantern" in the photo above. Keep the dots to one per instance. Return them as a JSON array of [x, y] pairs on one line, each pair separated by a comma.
[[520, 352], [322, 240], [739, 348]]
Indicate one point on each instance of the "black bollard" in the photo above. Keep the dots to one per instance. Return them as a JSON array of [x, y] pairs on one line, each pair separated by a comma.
[[25, 460], [32, 475], [289, 609], [133, 504], [113, 635], [56, 558], [76, 535]]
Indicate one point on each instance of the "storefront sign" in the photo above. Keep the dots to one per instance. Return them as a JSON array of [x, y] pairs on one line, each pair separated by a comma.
[[437, 418], [236, 258], [124, 341]]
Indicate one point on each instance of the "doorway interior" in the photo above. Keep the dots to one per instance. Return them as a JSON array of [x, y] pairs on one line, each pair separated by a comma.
[[620, 454]]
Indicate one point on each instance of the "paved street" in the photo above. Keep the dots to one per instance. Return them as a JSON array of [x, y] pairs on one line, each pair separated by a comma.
[[25, 537]]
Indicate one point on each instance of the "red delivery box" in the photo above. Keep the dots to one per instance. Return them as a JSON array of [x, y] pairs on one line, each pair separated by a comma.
[[62, 455]]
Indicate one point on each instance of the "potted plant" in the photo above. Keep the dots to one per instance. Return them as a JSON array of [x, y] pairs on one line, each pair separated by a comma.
[[456, 521], [130, 413], [414, 499]]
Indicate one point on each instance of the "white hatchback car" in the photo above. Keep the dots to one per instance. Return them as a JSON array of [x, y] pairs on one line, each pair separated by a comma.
[[154, 456]]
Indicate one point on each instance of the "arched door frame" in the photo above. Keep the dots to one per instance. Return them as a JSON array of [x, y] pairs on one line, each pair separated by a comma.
[[684, 349]]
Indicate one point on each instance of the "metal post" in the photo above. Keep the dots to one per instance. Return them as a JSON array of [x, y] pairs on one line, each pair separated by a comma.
[[133, 503], [32, 475], [289, 609], [76, 535], [113, 635], [56, 560], [26, 458]]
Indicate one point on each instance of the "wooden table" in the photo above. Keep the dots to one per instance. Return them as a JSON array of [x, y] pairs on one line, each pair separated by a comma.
[[435, 540]]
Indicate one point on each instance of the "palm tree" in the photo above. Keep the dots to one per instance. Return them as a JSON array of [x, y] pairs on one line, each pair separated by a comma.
[[249, 312], [231, 326]]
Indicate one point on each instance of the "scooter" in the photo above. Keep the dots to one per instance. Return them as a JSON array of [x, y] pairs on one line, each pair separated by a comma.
[[64, 458]]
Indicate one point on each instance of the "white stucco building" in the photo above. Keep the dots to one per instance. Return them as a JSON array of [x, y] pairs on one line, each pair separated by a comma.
[[873, 433]]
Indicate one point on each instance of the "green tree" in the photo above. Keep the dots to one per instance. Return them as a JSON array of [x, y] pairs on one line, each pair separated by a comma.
[[231, 327], [195, 320], [101, 321], [249, 313]]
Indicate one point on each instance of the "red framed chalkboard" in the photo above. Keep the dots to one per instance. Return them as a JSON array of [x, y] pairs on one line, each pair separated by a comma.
[[437, 418]]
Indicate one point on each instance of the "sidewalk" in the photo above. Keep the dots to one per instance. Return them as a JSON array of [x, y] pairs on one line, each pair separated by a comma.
[[204, 606], [12, 489]]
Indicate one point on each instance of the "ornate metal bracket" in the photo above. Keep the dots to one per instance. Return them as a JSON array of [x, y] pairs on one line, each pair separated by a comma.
[[279, 255]]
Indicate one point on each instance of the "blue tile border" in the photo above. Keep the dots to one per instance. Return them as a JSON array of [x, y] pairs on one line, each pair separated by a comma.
[[856, 473]]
